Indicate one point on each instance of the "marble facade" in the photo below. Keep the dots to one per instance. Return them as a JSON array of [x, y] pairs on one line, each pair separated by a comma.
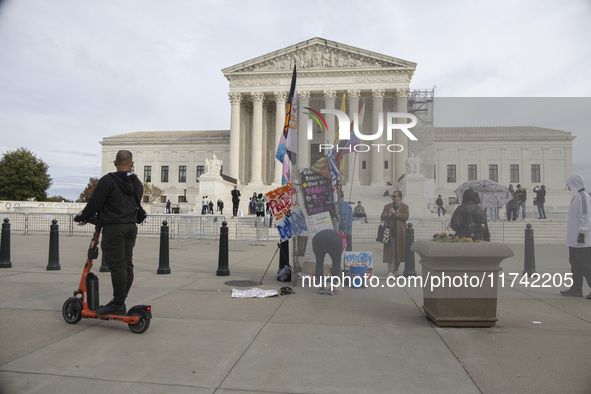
[[327, 71]]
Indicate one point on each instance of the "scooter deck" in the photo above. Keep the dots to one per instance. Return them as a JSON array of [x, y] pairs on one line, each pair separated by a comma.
[[123, 318]]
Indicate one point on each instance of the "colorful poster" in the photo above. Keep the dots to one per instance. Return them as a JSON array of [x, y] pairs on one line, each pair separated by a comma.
[[358, 258], [316, 192], [289, 218]]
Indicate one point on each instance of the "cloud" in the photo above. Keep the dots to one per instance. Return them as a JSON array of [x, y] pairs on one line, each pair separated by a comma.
[[75, 72]]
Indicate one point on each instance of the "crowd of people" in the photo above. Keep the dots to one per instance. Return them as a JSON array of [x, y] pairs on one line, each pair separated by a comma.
[[515, 207], [207, 206], [122, 189]]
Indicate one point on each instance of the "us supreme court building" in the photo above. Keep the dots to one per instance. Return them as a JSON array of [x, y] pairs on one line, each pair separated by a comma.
[[328, 74]]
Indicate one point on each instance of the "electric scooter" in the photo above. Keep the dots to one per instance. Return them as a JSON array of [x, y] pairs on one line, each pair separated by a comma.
[[86, 299]]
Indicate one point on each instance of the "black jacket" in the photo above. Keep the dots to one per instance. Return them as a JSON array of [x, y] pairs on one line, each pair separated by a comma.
[[235, 195], [540, 195], [114, 200], [469, 219]]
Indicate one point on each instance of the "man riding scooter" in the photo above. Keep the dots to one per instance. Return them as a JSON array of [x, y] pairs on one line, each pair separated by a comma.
[[115, 201]]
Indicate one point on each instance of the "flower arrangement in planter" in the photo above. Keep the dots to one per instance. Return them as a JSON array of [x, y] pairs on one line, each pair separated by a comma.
[[448, 238]]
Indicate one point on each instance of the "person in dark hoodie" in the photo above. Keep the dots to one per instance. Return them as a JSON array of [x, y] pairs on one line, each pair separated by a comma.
[[114, 201], [468, 219]]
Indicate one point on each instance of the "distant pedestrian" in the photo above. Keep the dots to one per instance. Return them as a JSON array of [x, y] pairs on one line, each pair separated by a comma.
[[221, 206], [513, 208], [440, 208], [395, 215], [522, 196], [578, 238], [260, 208], [252, 204], [210, 204], [203, 205], [167, 209], [508, 206], [359, 211], [268, 209], [540, 200], [235, 201]]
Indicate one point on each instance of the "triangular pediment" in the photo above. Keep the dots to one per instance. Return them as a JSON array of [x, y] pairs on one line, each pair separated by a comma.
[[319, 54]]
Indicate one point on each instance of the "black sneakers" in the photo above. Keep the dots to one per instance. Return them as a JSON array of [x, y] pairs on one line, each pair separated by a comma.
[[111, 309]]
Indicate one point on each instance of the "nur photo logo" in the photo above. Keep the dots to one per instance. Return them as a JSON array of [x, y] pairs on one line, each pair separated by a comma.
[[346, 126]]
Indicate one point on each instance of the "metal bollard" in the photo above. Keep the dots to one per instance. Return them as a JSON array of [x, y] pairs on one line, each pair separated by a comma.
[[529, 258], [223, 269], [5, 245], [163, 260], [53, 263], [409, 264]]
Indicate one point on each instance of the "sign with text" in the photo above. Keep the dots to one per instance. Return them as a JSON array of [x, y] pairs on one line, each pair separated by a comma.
[[289, 217], [316, 192], [358, 258]]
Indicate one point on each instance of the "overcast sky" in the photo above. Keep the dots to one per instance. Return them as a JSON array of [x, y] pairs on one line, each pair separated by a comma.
[[75, 71]]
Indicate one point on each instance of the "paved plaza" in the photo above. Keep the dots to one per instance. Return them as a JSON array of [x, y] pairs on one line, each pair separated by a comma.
[[370, 340]]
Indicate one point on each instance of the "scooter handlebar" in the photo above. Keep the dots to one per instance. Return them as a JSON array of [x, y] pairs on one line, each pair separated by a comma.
[[78, 219]]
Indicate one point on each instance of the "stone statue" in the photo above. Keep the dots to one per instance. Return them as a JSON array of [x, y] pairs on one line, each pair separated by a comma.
[[213, 166], [413, 164]]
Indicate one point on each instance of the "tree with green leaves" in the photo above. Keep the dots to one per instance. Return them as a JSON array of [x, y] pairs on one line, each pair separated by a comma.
[[23, 176]]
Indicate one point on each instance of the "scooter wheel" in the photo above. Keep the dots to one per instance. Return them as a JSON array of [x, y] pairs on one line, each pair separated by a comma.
[[141, 326], [71, 311]]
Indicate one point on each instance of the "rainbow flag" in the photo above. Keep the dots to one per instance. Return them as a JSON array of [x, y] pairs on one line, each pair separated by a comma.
[[288, 143]]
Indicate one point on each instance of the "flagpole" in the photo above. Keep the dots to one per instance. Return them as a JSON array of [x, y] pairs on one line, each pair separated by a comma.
[[352, 177]]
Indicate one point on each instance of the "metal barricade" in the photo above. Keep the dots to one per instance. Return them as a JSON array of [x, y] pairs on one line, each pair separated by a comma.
[[40, 222], [201, 227], [151, 226], [18, 221], [197, 227], [250, 229]]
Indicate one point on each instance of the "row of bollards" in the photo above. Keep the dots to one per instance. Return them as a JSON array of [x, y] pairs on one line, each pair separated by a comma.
[[53, 263], [223, 267]]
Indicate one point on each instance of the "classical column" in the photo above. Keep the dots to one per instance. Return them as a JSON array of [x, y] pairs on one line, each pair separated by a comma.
[[245, 169], [280, 102], [257, 139], [234, 162], [400, 138], [353, 157], [303, 155], [329, 100], [377, 152]]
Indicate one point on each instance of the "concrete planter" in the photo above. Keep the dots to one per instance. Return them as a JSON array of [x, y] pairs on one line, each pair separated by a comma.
[[460, 281]]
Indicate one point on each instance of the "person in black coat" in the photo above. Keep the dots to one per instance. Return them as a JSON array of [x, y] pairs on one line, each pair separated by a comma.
[[468, 219], [235, 201], [540, 200], [115, 201]]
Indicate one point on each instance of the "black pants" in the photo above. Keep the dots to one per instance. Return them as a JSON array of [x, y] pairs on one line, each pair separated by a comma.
[[235, 208], [327, 241], [580, 266], [117, 245]]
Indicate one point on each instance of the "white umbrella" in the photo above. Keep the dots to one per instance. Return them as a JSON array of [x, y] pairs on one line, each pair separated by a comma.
[[492, 194]]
